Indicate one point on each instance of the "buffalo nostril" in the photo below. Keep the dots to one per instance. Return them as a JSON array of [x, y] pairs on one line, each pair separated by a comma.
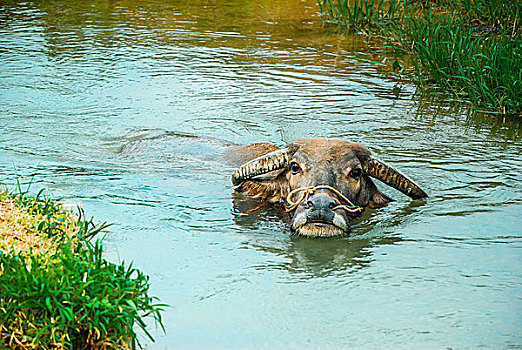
[[320, 202]]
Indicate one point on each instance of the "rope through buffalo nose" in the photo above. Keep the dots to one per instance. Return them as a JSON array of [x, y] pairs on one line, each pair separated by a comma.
[[305, 192]]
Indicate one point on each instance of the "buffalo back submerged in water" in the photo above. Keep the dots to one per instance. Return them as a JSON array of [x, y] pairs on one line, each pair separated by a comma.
[[322, 183]]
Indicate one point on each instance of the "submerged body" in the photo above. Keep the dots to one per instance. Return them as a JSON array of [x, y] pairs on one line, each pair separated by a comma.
[[322, 183]]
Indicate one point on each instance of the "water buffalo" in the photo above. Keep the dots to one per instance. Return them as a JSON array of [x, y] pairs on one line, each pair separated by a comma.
[[322, 183]]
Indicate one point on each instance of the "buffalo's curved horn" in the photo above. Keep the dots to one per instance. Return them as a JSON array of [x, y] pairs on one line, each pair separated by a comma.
[[394, 178], [269, 162]]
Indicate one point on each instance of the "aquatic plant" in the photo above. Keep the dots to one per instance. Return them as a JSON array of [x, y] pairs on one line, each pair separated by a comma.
[[56, 289], [361, 14], [470, 48]]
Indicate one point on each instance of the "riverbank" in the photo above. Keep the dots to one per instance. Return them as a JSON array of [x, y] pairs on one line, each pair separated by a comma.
[[471, 49], [56, 290]]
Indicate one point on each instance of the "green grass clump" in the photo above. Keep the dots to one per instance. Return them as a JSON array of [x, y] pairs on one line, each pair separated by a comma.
[[360, 14], [65, 296], [470, 48]]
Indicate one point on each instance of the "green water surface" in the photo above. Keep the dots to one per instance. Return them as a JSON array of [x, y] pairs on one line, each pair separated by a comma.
[[126, 106]]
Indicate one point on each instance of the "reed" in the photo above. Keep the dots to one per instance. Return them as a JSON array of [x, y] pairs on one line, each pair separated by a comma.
[[361, 15], [469, 48], [63, 294]]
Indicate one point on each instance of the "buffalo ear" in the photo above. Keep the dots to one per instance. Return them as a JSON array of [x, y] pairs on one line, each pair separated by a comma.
[[270, 187], [379, 199], [369, 195]]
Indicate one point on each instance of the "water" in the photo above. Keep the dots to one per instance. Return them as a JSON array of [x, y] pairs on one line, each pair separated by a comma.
[[125, 108]]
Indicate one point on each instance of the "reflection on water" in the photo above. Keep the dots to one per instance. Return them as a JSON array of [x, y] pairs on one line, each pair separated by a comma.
[[126, 108], [308, 259]]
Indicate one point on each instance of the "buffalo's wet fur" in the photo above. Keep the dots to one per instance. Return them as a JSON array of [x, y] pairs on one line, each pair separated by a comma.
[[333, 168]]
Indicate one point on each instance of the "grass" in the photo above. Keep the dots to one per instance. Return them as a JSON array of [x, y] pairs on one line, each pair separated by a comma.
[[360, 15], [469, 48], [56, 290]]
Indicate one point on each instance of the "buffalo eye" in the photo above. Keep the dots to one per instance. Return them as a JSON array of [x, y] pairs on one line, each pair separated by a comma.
[[295, 168], [355, 173]]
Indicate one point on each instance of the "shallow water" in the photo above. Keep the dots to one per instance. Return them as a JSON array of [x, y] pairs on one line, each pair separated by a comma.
[[126, 107]]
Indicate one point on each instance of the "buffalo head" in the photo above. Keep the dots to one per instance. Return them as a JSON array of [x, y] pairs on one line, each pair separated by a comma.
[[322, 183]]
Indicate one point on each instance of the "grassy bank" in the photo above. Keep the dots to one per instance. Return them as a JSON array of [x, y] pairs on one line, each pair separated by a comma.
[[56, 290], [469, 48]]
